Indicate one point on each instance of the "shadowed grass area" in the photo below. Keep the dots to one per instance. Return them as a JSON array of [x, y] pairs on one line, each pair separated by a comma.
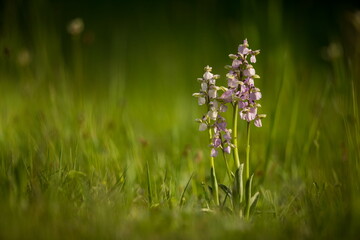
[[81, 117]]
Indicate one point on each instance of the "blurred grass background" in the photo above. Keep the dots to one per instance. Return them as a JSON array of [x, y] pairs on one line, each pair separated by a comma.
[[80, 116]]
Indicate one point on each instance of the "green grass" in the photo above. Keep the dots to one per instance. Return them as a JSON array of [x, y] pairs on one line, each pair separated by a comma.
[[77, 155]]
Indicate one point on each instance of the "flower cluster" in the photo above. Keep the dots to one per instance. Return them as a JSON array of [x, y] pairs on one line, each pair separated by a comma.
[[243, 96], [213, 120], [241, 86], [221, 138]]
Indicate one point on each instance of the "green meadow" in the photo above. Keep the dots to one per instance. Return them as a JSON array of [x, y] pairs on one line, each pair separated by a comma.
[[98, 138]]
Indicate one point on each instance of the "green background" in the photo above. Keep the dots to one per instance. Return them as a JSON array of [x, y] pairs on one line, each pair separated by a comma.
[[82, 116]]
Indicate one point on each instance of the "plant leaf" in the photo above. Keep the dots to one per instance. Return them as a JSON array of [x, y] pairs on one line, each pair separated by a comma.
[[253, 202], [226, 190], [237, 192]]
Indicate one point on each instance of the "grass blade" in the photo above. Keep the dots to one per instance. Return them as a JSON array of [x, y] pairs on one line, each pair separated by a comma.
[[182, 199]]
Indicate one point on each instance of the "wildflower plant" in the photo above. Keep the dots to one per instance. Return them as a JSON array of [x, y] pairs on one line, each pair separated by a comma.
[[243, 96], [219, 135]]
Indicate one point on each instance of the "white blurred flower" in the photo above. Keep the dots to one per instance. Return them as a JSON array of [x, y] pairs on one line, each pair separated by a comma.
[[76, 26]]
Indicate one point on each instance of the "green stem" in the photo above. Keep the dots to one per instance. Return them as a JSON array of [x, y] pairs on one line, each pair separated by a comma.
[[215, 188], [238, 183], [247, 174], [227, 167], [235, 152], [247, 164]]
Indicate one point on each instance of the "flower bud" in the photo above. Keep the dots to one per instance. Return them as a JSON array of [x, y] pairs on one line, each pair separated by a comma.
[[256, 52], [245, 42], [207, 68], [230, 75], [197, 94], [233, 56], [224, 89]]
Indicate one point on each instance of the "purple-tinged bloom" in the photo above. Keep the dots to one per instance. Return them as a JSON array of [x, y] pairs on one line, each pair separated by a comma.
[[222, 135], [227, 96], [243, 48], [208, 93], [249, 72], [208, 96], [253, 59], [244, 95], [216, 142], [236, 63], [227, 149], [227, 135], [249, 81], [248, 114], [213, 152], [244, 89], [221, 126], [233, 82], [257, 122], [243, 104], [241, 85], [255, 96]]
